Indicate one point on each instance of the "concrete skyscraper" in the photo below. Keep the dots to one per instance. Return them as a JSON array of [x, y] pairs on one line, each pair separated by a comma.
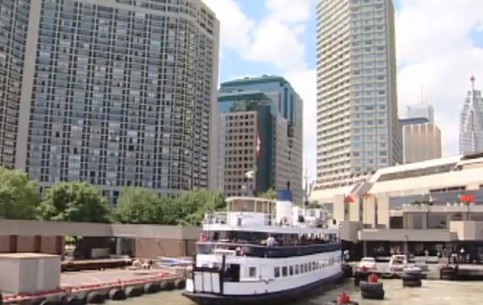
[[358, 130], [420, 110], [421, 140], [471, 122], [113, 92]]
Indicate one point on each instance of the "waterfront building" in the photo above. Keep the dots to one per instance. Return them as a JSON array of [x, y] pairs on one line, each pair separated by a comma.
[[358, 130], [471, 122], [260, 130], [417, 206], [113, 92]]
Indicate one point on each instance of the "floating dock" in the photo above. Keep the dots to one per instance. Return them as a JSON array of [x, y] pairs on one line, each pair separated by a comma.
[[95, 264], [96, 287]]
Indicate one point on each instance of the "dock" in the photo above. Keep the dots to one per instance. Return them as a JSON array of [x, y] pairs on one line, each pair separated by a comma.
[[99, 286], [436, 271], [95, 264]]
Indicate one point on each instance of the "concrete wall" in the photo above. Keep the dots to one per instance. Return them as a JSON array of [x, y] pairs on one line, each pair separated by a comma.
[[152, 248], [53, 228], [28, 272], [467, 230], [148, 240], [406, 235], [35, 244]]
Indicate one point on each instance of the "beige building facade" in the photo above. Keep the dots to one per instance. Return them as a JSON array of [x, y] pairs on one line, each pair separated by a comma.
[[421, 142], [238, 152], [358, 130]]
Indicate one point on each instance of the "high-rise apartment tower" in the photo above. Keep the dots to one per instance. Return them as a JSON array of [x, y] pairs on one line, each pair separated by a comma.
[[114, 92], [358, 130]]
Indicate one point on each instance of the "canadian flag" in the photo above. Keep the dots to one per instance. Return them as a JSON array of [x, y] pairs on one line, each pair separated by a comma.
[[350, 198], [259, 144], [467, 198]]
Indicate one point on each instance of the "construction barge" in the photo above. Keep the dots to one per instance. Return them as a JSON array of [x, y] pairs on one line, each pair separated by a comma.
[[36, 279], [77, 288]]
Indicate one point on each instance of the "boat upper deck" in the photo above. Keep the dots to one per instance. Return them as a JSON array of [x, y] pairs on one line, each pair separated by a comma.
[[265, 215]]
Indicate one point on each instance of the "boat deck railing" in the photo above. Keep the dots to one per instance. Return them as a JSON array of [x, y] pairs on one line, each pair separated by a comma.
[[263, 251], [221, 218]]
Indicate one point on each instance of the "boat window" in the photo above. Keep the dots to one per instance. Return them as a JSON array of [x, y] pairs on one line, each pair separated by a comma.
[[276, 271], [314, 267], [302, 268], [291, 270], [252, 272], [296, 269], [284, 271], [308, 267]]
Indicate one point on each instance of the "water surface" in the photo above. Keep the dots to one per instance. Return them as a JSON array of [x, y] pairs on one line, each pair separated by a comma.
[[432, 293]]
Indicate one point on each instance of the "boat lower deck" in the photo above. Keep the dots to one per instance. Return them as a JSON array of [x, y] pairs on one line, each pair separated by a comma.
[[280, 297]]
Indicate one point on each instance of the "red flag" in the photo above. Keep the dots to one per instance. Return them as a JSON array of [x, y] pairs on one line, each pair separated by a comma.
[[350, 199], [467, 198]]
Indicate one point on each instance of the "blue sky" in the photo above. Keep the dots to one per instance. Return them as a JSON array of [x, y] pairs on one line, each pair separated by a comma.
[[439, 49], [232, 65]]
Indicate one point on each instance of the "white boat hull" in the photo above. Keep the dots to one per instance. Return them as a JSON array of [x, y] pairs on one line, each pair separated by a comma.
[[207, 287]]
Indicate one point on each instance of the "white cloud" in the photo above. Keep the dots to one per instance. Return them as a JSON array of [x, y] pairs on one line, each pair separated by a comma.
[[236, 27], [290, 11], [278, 44], [436, 51]]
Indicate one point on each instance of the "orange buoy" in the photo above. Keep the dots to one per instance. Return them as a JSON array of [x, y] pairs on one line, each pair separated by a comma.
[[343, 299], [373, 278]]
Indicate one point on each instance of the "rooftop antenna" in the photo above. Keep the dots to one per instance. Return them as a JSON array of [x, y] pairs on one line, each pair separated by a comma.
[[307, 191], [422, 99]]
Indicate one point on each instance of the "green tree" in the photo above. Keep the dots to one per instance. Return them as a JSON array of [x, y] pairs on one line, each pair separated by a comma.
[[192, 206], [144, 206], [269, 194], [137, 205], [19, 196], [76, 201]]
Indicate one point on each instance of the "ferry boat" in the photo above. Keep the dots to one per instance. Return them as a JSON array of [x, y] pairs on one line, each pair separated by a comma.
[[262, 251]]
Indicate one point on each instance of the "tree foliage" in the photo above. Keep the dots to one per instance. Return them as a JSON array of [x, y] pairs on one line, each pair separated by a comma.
[[82, 202], [144, 206], [19, 196], [269, 194], [75, 201], [191, 207]]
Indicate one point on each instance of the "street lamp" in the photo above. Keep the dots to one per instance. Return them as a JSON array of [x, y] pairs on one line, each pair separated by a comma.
[[406, 247], [250, 175]]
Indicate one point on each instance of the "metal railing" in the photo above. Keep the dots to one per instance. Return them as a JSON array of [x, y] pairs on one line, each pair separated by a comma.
[[262, 251], [224, 218]]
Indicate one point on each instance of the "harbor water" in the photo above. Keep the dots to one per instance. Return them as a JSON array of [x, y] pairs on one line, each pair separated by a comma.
[[432, 293]]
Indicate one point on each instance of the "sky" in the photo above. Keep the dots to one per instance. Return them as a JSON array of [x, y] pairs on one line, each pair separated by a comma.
[[439, 45]]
